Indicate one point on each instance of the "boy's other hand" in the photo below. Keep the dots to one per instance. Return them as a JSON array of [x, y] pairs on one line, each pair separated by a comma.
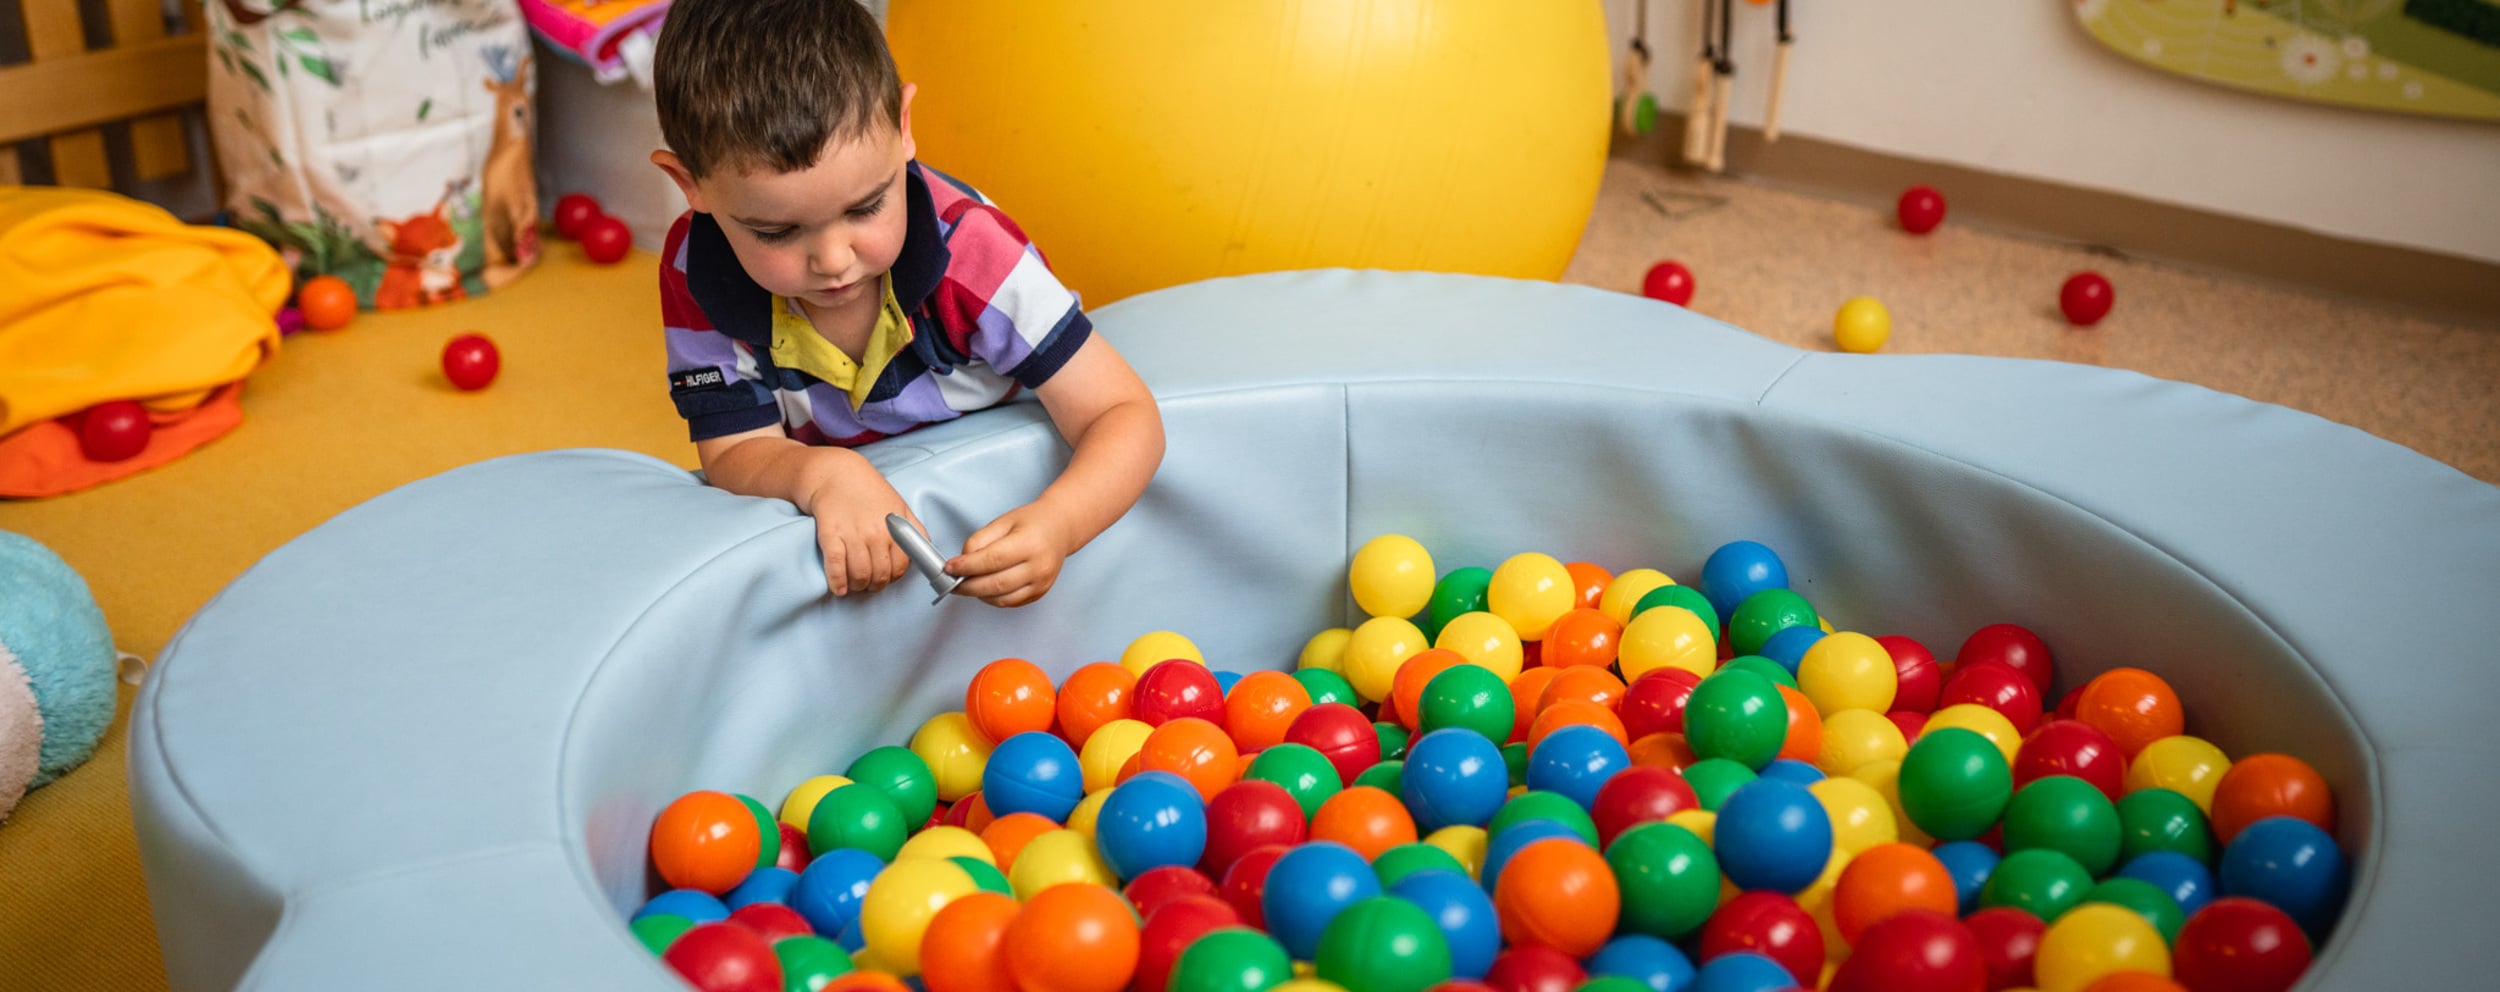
[[1014, 560], [850, 513]]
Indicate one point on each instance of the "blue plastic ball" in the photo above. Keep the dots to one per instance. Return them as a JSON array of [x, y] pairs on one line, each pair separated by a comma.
[[2291, 864], [2183, 878], [829, 892], [1738, 570], [1033, 772], [1788, 647], [1453, 776], [1773, 835], [1742, 971], [693, 904], [1224, 680], [1499, 847], [1463, 912], [1968, 863], [853, 940], [1643, 959], [770, 883], [1576, 761], [1308, 887], [1151, 820], [1792, 770]]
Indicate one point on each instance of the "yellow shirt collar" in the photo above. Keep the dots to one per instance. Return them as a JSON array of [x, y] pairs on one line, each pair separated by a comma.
[[798, 345]]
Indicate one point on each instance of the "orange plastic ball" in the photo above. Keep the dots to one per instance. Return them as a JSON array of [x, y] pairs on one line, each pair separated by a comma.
[[1583, 637], [2133, 706], [1073, 937], [327, 303], [1566, 712], [964, 949], [1092, 696], [1193, 749], [1886, 879], [1367, 819], [1591, 580], [1595, 686], [1010, 696], [1260, 708], [977, 815], [1406, 694], [707, 840], [2263, 785], [865, 981], [1525, 690], [1664, 749], [1007, 835], [1805, 727], [1557, 893]]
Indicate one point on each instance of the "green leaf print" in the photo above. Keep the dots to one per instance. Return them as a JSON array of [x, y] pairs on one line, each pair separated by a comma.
[[425, 108], [319, 67], [227, 60], [254, 71], [237, 39], [300, 36]]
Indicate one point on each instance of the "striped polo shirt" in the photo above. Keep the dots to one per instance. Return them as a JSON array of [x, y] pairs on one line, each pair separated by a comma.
[[985, 317]]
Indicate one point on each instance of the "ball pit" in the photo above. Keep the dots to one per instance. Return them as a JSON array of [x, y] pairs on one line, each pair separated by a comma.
[[1911, 517]]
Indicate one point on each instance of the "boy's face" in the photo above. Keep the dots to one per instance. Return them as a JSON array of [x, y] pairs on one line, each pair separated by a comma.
[[821, 235]]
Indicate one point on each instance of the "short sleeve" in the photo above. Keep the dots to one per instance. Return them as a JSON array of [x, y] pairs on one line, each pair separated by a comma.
[[1001, 303], [711, 376]]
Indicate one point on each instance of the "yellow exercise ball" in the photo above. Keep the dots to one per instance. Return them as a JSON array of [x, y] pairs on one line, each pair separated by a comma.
[[1147, 143]]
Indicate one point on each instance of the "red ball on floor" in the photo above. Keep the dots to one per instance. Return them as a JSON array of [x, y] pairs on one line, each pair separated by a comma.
[[114, 431], [1669, 281], [607, 240], [573, 214], [1921, 209], [2086, 298], [470, 361]]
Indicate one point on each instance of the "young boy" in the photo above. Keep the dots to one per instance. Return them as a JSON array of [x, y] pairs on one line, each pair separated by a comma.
[[828, 290]]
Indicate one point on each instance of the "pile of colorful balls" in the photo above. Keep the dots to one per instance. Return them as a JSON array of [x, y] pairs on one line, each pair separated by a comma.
[[1542, 777]]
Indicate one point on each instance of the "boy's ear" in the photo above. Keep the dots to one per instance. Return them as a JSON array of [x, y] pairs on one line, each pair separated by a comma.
[[676, 169], [910, 150]]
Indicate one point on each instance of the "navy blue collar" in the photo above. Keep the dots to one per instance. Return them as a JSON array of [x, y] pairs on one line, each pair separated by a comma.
[[741, 309]]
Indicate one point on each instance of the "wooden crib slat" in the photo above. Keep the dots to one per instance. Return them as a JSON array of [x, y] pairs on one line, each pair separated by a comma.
[[52, 31], [157, 146]]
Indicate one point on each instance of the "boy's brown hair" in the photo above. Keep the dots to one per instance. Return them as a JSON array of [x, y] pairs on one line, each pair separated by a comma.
[[765, 84]]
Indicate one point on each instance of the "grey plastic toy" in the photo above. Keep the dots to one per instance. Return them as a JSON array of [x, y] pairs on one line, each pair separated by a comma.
[[924, 558]]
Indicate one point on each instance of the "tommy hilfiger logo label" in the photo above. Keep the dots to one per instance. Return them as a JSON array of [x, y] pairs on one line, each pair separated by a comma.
[[689, 380]]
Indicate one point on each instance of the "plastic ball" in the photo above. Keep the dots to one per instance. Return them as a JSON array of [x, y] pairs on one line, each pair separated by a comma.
[[1094, 696], [1668, 877], [1531, 591], [767, 885], [1178, 689], [902, 776], [1558, 893], [1486, 640], [2072, 747], [2290, 864], [1980, 720], [1855, 738], [606, 240], [709, 841], [866, 978], [1769, 924], [1325, 650], [2161, 820], [1656, 702], [1453, 776], [1231, 959], [2144, 899], [1862, 325], [1195, 750], [1954, 784], [1668, 281], [1391, 576], [1742, 971], [1339, 733], [1917, 678], [691, 905], [946, 842], [1920, 209], [1373, 654], [1244, 885], [1737, 570], [2133, 706], [1583, 638], [955, 752], [2068, 815], [1325, 686], [1259, 707], [2263, 785], [1073, 938], [573, 212], [1010, 696], [1998, 688], [1623, 595], [1154, 820], [1470, 698], [810, 962], [1466, 843], [1888, 879], [800, 804], [1006, 836], [1576, 761], [2184, 879], [1971, 864], [2009, 939], [1460, 592], [1249, 814], [1156, 886], [1155, 647], [901, 902], [1773, 835], [1057, 858], [1637, 795], [658, 930], [985, 876], [470, 361], [1786, 648], [1738, 716], [2093, 941], [1685, 598], [964, 947], [2040, 881], [2190, 766], [2014, 647], [2240, 945], [721, 957], [1911, 724], [2086, 298], [830, 891], [327, 302], [1847, 671], [1308, 887], [1914, 949], [1397, 863], [1715, 779], [1384, 944], [1368, 820], [1752, 624], [1306, 774], [793, 855], [1169, 930], [1538, 805], [1406, 688], [1803, 741], [1033, 773], [1109, 749], [1649, 963]]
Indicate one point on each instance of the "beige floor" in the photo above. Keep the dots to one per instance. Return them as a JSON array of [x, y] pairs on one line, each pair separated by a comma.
[[339, 418]]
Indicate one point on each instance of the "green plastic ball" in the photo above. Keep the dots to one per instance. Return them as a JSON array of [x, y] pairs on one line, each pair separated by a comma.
[[984, 874], [1394, 864], [1736, 715], [1614, 983], [769, 828], [1326, 686], [857, 816], [1384, 944], [1470, 697], [1766, 613], [1715, 779], [1461, 591], [1393, 740], [1301, 769], [902, 776], [1765, 667], [1386, 776], [2146, 899], [659, 930], [808, 962], [1231, 959], [1668, 879], [1954, 784], [1686, 597], [2065, 814], [1544, 806], [1515, 755], [2161, 820], [2039, 881]]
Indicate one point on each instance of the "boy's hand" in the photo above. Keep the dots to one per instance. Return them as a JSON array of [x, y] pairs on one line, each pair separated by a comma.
[[850, 510], [1014, 560]]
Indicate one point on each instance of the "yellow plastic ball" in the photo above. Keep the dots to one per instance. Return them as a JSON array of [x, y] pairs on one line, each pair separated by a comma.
[[1818, 895], [1979, 720], [1485, 640], [1531, 590], [1326, 649], [1666, 639], [1056, 857], [1826, 623], [954, 752], [1626, 590], [1703, 823], [900, 902], [942, 842], [801, 803], [1087, 811], [2189, 766], [1109, 749], [1885, 776], [1862, 325], [1151, 649], [1304, 971], [2093, 940], [1860, 816], [1852, 738], [1466, 843], [1373, 654], [1848, 671], [1391, 576], [1307, 985]]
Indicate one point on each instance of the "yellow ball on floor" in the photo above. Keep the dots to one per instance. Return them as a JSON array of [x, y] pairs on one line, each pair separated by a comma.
[[1862, 325]]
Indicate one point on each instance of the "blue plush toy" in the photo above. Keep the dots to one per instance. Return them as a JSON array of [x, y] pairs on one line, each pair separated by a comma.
[[56, 669]]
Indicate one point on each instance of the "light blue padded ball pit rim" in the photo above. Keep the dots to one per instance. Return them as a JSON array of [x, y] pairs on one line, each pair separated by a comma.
[[421, 746]]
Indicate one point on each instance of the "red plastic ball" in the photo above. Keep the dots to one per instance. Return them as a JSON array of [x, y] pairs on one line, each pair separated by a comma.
[[607, 240], [1998, 688], [2066, 703], [1534, 968], [470, 361], [1342, 734], [2009, 940], [1770, 924], [1460, 985], [2086, 298], [1918, 680], [1169, 930], [574, 212], [1245, 883], [1164, 883], [2014, 647], [1915, 950], [2238, 944], [771, 921], [725, 957], [1180, 688], [793, 854], [2072, 747], [1638, 795], [1910, 723], [115, 430], [1654, 702], [1921, 209], [1669, 281], [1248, 815]]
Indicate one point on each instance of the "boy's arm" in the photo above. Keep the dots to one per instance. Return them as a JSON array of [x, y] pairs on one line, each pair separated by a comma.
[[848, 498], [1110, 420]]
